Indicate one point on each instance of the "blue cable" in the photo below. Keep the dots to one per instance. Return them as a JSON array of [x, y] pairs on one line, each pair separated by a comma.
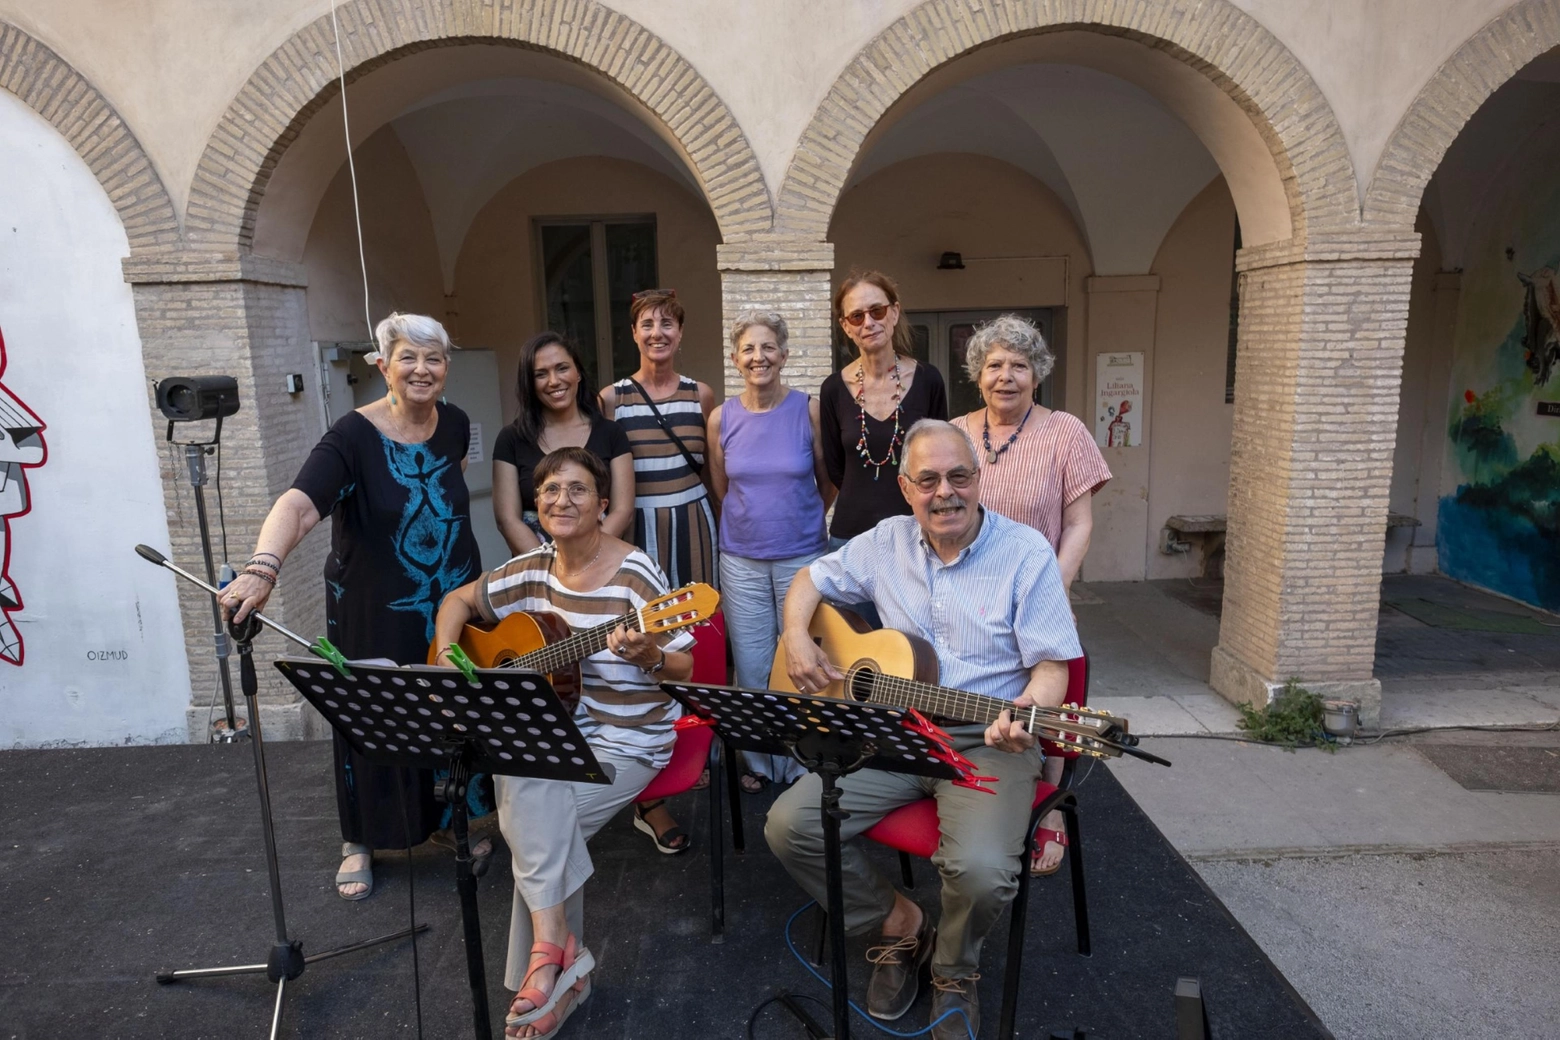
[[853, 1005]]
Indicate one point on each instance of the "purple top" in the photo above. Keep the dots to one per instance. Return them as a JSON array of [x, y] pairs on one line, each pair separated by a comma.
[[772, 509]]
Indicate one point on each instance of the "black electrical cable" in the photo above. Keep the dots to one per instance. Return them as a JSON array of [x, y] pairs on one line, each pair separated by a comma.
[[221, 515], [777, 998], [411, 906]]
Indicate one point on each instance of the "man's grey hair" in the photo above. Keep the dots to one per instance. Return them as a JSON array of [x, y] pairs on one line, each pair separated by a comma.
[[770, 320], [920, 428], [1014, 333], [417, 329]]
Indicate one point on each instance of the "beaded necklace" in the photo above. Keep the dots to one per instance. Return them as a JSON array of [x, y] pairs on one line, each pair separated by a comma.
[[861, 402], [985, 436]]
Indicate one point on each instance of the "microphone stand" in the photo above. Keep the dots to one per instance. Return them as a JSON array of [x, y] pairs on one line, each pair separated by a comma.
[[286, 960]]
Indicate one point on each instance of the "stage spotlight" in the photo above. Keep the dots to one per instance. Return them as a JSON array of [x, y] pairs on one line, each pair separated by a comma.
[[190, 398]]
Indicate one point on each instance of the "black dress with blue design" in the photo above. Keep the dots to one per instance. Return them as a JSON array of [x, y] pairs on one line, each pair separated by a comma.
[[400, 540]]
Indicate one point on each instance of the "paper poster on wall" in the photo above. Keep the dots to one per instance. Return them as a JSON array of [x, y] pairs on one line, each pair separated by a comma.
[[474, 445], [1118, 401]]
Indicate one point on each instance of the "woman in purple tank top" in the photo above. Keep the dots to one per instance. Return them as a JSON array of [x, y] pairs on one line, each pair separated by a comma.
[[766, 465]]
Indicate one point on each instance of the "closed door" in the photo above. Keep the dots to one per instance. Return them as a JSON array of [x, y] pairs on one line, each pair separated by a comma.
[[941, 336]]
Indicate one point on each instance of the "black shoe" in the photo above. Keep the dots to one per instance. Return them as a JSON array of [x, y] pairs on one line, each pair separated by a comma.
[[897, 969], [955, 995]]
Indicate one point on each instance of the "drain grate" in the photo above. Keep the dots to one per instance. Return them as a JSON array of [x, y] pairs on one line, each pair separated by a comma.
[[1485, 767]]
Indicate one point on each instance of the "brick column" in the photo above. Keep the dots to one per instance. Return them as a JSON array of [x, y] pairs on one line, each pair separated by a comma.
[[1316, 395], [786, 274], [244, 316]]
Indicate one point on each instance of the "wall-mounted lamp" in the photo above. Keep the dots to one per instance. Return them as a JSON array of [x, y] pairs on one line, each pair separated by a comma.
[[950, 262]]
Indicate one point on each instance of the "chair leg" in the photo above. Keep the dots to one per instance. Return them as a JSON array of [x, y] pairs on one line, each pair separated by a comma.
[[821, 940], [1080, 899], [734, 793], [1015, 951], [905, 873], [717, 854]]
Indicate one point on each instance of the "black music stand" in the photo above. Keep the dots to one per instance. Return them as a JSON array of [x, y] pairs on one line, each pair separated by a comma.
[[832, 738], [500, 721]]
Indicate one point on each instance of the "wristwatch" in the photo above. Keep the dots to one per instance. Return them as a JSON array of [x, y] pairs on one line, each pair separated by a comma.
[[653, 669]]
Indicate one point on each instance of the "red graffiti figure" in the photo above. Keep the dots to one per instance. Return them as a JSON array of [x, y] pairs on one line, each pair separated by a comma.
[[21, 448]]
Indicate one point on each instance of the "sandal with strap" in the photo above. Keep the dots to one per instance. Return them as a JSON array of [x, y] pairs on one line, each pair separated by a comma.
[[671, 842], [1046, 837], [355, 877], [751, 782], [573, 962], [550, 1023]]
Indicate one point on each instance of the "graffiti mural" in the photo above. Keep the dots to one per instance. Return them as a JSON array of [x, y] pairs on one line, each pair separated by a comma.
[[21, 448], [1500, 527]]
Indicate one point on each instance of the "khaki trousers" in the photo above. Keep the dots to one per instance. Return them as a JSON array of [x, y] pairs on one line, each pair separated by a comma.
[[982, 835], [547, 823]]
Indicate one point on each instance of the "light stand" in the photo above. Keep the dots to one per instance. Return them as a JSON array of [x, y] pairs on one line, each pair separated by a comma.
[[195, 457], [286, 960]]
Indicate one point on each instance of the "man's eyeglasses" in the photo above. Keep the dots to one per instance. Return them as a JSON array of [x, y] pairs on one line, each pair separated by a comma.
[[928, 483], [578, 493], [878, 312], [670, 294]]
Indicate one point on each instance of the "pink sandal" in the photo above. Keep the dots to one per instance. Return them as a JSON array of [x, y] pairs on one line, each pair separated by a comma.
[[1046, 836], [574, 963]]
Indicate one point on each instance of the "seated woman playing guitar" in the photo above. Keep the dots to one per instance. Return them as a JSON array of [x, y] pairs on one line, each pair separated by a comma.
[[587, 577]]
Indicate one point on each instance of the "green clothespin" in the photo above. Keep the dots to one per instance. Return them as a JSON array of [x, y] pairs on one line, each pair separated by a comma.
[[459, 659], [325, 649]]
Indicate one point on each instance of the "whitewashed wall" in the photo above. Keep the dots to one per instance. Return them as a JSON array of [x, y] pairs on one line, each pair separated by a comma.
[[103, 657]]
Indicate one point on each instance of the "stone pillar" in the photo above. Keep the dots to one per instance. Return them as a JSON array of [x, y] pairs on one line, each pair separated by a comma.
[[244, 316], [786, 274], [1319, 364]]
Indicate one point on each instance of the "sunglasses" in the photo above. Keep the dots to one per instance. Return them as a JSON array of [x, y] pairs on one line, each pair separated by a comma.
[[878, 312], [670, 294]]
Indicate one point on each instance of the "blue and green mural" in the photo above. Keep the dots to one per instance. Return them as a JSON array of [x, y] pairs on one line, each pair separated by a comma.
[[1500, 527]]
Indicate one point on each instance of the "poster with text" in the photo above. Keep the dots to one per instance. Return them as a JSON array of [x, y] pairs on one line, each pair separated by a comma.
[[1118, 401]]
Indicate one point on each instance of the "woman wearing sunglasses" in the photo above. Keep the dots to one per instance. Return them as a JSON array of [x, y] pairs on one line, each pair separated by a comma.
[[866, 408]]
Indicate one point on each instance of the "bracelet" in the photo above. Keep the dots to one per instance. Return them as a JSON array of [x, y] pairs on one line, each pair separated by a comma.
[[273, 556], [262, 575], [653, 669], [273, 568]]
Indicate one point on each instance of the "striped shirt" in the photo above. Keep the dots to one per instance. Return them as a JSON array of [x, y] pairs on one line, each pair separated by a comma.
[[1052, 463], [622, 709], [662, 477], [991, 615]]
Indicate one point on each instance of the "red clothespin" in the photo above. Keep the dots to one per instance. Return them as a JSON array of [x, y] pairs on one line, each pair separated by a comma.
[[685, 722]]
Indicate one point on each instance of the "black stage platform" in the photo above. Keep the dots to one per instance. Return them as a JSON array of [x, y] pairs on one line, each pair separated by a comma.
[[118, 862]]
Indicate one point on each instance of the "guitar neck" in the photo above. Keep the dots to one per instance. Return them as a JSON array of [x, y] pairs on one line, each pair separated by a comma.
[[930, 699], [573, 648]]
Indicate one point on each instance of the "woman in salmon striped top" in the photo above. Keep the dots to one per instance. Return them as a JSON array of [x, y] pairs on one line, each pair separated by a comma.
[[1039, 467]]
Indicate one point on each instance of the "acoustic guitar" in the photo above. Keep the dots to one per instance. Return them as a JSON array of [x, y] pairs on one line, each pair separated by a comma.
[[883, 666], [543, 642]]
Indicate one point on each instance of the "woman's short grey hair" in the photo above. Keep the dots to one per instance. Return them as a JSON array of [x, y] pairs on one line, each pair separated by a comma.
[[770, 320], [920, 428], [419, 330], [1017, 335]]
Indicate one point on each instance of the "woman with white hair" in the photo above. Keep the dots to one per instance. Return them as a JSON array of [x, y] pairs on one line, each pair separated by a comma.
[[391, 477], [1037, 466], [766, 465]]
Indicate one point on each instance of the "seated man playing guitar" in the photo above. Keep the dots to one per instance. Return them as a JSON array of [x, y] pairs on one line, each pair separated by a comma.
[[986, 594], [589, 578]]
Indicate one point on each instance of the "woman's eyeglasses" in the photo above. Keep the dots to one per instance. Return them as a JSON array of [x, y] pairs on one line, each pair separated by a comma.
[[878, 312], [578, 493]]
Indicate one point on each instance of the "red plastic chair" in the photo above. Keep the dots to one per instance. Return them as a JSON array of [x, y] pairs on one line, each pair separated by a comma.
[[913, 830], [692, 753]]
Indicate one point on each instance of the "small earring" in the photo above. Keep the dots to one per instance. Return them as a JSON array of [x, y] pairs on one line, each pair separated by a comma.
[[392, 397]]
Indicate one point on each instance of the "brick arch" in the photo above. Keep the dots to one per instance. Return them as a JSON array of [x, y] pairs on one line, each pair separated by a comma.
[[48, 85], [299, 78], [1213, 37], [1488, 59]]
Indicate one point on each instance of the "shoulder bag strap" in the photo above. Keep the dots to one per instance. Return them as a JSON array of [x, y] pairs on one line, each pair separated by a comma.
[[666, 428]]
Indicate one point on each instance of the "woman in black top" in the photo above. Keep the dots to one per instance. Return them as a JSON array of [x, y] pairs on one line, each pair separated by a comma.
[[557, 409], [866, 408], [390, 477]]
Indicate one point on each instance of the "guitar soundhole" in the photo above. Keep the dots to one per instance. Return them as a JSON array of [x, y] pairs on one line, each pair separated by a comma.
[[858, 683]]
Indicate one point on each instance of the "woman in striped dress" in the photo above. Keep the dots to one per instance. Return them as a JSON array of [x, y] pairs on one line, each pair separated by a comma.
[[664, 414], [1037, 466]]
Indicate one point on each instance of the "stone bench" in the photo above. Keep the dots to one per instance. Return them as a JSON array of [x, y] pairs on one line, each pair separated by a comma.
[[1209, 529]]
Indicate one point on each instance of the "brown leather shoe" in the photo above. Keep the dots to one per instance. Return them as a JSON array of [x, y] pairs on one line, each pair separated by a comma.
[[955, 995], [897, 970]]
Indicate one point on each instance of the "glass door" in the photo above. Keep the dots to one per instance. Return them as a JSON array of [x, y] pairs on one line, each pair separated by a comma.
[[590, 271]]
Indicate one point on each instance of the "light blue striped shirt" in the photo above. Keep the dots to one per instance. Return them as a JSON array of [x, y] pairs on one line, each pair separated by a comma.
[[992, 614]]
